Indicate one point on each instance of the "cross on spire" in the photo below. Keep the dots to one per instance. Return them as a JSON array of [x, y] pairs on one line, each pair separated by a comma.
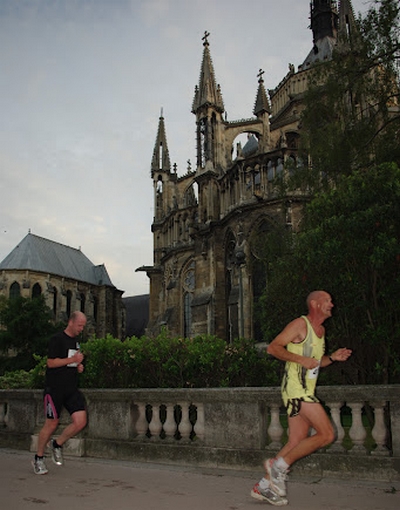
[[205, 38], [259, 75]]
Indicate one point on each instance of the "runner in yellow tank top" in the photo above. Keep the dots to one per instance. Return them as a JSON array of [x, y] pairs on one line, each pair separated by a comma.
[[298, 383], [301, 345]]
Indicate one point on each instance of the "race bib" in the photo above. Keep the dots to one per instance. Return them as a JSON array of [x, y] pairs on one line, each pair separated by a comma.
[[313, 372], [72, 352]]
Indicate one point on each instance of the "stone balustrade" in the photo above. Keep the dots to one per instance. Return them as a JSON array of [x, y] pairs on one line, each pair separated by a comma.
[[232, 428]]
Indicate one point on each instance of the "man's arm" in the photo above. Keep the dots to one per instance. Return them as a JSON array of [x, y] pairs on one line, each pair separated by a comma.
[[62, 362], [295, 332], [341, 354]]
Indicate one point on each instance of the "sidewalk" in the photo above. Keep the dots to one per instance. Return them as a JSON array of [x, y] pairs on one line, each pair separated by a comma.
[[86, 484]]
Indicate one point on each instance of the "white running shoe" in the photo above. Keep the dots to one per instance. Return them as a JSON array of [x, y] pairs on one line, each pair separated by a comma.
[[276, 476], [39, 466], [56, 453], [267, 495]]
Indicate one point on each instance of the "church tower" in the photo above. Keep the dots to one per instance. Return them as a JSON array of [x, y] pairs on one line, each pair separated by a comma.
[[161, 171], [208, 107], [324, 19]]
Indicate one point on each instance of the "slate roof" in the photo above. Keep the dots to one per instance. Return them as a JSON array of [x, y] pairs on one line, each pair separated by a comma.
[[35, 253], [251, 146], [322, 51]]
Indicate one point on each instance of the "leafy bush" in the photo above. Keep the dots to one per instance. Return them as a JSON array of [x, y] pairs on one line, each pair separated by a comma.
[[18, 379], [201, 362], [204, 361], [15, 380]]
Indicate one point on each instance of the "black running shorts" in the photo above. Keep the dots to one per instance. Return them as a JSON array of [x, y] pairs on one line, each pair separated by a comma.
[[293, 405], [55, 400]]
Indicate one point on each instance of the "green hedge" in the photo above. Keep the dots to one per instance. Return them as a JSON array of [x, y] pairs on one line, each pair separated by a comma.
[[18, 379], [204, 361]]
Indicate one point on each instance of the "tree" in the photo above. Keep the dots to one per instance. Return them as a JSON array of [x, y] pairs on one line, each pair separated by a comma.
[[357, 230], [26, 326], [350, 247], [352, 117]]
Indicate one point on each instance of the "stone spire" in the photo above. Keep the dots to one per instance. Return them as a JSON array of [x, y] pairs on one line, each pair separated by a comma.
[[207, 93], [262, 104], [161, 159], [347, 23]]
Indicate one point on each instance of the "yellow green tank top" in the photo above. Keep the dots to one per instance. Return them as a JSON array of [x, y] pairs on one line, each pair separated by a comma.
[[298, 382]]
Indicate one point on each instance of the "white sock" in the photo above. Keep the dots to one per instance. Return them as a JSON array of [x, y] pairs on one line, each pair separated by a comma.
[[263, 483], [281, 464]]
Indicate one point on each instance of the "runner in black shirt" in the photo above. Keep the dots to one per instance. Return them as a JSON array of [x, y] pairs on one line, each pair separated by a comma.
[[64, 362]]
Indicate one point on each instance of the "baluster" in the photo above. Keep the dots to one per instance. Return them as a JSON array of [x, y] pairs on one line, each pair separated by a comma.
[[155, 425], [2, 413], [337, 425], [357, 431], [275, 429], [6, 413], [379, 432], [142, 425], [199, 425], [170, 424], [185, 427]]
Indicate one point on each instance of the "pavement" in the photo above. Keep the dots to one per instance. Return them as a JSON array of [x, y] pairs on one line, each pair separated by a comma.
[[86, 484]]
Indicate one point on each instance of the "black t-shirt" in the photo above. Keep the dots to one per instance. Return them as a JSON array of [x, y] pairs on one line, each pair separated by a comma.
[[66, 377]]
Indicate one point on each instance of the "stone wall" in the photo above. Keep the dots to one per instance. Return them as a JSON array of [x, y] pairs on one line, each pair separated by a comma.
[[231, 428]]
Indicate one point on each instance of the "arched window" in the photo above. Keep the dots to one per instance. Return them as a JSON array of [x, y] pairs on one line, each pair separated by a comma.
[[279, 167], [36, 290], [159, 186], [55, 301], [270, 171], [231, 289], [203, 146], [190, 196], [83, 302], [69, 301], [95, 308], [257, 178], [187, 314], [188, 284], [291, 164], [15, 290]]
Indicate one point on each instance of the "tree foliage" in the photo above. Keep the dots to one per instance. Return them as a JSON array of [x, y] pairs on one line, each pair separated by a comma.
[[350, 247], [26, 326], [352, 118]]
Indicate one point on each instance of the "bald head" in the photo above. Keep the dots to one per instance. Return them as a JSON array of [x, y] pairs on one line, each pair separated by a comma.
[[315, 295], [319, 304], [76, 324], [77, 316]]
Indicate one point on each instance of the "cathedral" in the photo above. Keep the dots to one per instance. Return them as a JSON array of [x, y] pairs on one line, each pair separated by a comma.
[[209, 224]]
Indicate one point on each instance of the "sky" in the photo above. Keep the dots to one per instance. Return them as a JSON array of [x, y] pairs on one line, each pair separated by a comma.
[[82, 86]]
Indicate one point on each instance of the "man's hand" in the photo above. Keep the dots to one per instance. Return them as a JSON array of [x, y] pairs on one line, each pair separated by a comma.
[[341, 354], [309, 363], [78, 357], [80, 368]]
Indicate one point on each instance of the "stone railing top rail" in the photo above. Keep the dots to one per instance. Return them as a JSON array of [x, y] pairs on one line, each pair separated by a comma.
[[335, 393]]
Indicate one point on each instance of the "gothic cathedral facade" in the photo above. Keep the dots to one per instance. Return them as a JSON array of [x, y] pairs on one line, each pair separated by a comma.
[[210, 224]]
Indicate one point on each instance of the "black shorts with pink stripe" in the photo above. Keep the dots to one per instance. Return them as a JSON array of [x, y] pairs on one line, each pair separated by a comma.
[[54, 401]]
